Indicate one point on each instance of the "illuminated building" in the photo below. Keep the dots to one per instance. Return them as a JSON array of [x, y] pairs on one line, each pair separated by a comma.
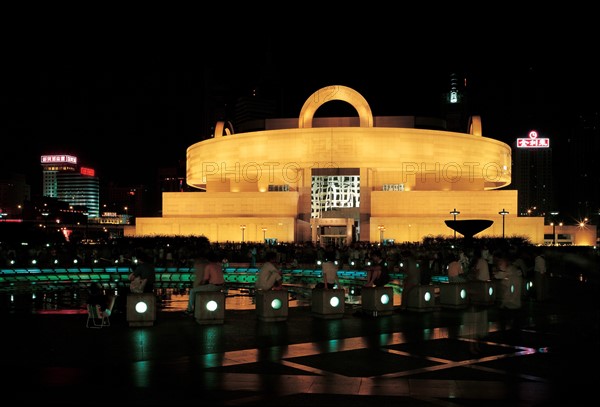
[[339, 179], [532, 175], [64, 179]]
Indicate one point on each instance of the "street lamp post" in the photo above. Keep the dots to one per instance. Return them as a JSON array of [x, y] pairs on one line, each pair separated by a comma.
[[87, 222], [264, 234], [381, 229], [243, 229], [503, 212], [553, 224], [454, 212], [554, 232]]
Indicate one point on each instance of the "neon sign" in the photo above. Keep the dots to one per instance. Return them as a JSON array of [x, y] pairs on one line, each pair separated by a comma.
[[51, 159], [87, 171], [533, 141]]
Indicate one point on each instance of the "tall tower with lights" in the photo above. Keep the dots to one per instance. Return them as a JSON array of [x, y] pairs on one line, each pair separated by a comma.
[[454, 104]]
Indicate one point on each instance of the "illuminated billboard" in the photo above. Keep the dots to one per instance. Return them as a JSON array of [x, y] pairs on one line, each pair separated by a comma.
[[87, 171], [59, 158], [533, 141]]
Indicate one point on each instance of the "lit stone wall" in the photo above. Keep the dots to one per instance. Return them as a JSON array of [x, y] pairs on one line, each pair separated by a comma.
[[409, 216], [220, 229], [219, 216], [239, 204], [421, 159], [470, 204]]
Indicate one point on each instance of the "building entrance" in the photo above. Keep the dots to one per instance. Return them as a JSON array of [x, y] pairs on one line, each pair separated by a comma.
[[337, 231]]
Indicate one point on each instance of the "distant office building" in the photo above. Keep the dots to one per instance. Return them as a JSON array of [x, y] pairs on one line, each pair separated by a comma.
[[251, 112], [64, 179], [14, 191], [128, 201], [533, 176], [169, 179], [583, 148], [172, 179]]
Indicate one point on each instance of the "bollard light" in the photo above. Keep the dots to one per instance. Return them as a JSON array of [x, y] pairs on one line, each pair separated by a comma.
[[141, 309], [420, 298], [377, 301], [453, 295], [328, 303], [272, 305], [276, 304], [209, 307]]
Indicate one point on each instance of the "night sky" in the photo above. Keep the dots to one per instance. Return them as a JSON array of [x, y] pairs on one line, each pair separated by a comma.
[[126, 107]]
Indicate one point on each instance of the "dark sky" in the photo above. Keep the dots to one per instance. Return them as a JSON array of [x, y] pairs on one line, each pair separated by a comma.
[[129, 105]]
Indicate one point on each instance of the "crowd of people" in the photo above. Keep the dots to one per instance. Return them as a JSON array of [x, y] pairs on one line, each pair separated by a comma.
[[481, 259], [182, 252]]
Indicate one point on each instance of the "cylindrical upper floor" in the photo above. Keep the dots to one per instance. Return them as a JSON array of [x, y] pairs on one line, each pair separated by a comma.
[[417, 159]]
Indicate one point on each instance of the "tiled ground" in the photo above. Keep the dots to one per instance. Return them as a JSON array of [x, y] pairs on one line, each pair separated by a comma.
[[543, 354]]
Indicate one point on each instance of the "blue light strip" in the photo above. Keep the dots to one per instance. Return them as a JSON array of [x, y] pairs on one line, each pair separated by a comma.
[[171, 276]]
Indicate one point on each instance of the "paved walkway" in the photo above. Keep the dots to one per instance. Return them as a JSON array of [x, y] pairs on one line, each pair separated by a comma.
[[543, 354]]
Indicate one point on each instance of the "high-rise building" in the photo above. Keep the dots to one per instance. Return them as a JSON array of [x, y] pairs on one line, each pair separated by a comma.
[[63, 178], [251, 112], [533, 176], [582, 148]]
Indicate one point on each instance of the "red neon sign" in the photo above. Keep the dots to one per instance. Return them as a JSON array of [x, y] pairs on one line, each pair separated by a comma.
[[87, 171]]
